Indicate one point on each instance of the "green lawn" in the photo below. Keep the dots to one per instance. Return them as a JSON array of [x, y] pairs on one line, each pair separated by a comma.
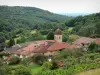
[[35, 68], [90, 72]]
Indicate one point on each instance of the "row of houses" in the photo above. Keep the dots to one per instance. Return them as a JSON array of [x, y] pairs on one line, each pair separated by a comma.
[[48, 47]]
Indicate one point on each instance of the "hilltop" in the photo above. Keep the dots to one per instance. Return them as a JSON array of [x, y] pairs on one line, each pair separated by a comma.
[[26, 17]]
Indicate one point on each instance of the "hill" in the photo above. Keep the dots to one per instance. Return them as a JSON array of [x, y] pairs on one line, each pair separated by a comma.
[[26, 17], [86, 25], [13, 20]]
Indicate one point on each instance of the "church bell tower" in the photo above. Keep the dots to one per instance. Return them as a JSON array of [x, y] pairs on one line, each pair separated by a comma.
[[58, 35]]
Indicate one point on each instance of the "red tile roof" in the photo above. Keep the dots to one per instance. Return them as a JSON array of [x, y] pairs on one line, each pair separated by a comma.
[[84, 40], [26, 50], [58, 46], [98, 41], [41, 49], [45, 41], [73, 46]]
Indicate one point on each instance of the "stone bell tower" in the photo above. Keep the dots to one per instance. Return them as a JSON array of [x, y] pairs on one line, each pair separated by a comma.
[[58, 35]]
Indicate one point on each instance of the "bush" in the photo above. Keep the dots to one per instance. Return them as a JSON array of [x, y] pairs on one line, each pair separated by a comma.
[[93, 47], [73, 52], [71, 70], [14, 60], [25, 61], [4, 69], [22, 70], [47, 66], [39, 59]]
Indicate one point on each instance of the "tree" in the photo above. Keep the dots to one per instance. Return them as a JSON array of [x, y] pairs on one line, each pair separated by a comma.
[[22, 70], [2, 46], [50, 35], [4, 69], [11, 42]]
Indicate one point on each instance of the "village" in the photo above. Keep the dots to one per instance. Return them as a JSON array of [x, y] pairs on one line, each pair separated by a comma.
[[46, 47], [49, 37]]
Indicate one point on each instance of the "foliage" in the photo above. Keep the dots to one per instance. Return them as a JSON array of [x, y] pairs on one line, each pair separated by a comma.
[[72, 37], [50, 35], [39, 59], [14, 60], [75, 65], [93, 47], [22, 70], [47, 66], [25, 61], [11, 42], [65, 35], [86, 25], [71, 70], [13, 20], [2, 46], [4, 69]]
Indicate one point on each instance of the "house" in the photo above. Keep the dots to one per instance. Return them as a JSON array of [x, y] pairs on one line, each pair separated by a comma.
[[83, 41]]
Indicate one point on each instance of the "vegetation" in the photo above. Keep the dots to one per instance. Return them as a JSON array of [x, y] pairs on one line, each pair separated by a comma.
[[86, 25], [15, 20], [24, 24], [91, 72], [22, 70], [14, 60]]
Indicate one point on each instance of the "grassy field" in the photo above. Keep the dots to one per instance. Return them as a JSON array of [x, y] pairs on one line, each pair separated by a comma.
[[35, 68], [91, 72]]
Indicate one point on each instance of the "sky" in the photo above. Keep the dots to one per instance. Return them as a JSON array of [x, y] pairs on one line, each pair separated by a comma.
[[58, 6]]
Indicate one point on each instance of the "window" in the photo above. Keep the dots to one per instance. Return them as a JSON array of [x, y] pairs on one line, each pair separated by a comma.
[[59, 37]]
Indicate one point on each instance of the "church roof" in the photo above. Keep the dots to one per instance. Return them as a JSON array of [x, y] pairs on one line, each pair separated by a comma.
[[58, 32]]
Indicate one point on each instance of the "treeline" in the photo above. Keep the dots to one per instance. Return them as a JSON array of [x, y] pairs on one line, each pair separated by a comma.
[[15, 20], [86, 25]]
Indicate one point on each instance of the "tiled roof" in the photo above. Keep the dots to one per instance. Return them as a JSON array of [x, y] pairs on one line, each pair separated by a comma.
[[27, 50], [98, 41], [84, 40], [41, 49], [73, 46], [58, 46], [58, 32], [45, 41]]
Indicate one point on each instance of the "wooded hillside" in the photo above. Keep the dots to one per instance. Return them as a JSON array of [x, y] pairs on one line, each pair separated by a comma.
[[86, 25], [13, 20]]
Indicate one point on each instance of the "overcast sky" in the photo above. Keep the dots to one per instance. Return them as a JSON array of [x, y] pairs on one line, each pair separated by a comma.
[[58, 6]]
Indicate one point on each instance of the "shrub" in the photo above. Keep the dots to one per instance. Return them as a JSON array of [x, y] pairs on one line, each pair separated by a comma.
[[54, 65], [22, 70], [93, 47], [25, 61], [47, 66], [14, 60], [39, 59], [4, 69]]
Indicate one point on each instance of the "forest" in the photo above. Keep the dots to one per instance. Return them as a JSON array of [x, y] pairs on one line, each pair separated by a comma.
[[88, 25], [15, 20]]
